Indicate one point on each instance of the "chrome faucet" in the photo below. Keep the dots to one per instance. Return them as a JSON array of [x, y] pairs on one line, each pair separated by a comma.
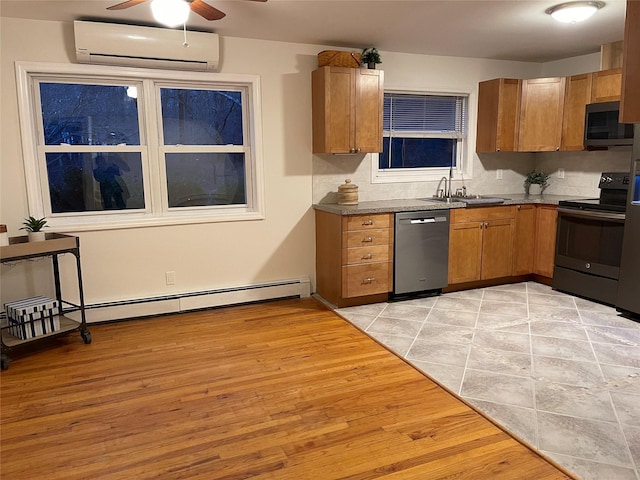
[[447, 189]]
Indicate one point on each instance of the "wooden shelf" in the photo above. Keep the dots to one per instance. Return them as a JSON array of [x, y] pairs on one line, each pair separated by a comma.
[[21, 247], [66, 325]]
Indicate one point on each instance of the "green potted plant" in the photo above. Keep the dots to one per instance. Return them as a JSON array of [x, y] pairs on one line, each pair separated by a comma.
[[536, 182], [34, 227], [370, 56]]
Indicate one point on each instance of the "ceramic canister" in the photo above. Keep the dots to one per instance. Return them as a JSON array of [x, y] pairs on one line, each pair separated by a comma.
[[348, 193]]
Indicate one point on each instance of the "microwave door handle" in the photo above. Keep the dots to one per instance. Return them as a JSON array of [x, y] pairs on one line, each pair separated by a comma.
[[590, 214]]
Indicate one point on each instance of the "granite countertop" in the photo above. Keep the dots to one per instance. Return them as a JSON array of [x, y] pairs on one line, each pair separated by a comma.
[[415, 204]]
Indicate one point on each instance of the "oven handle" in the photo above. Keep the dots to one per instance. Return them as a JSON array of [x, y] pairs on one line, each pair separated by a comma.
[[591, 214]]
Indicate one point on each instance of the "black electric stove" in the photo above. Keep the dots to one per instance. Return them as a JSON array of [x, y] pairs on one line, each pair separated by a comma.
[[589, 241], [613, 195]]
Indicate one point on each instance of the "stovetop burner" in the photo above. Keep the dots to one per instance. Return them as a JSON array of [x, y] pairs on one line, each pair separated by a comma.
[[594, 204], [613, 195]]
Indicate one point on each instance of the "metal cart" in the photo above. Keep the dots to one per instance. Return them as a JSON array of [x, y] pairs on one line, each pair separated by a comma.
[[56, 244]]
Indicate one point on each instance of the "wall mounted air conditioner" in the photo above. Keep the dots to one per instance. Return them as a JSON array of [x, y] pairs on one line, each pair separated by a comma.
[[135, 46]]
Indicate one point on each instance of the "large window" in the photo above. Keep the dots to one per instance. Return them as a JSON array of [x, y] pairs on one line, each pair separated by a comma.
[[424, 136], [107, 146]]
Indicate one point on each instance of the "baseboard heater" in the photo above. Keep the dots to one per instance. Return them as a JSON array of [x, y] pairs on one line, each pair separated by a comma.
[[184, 302]]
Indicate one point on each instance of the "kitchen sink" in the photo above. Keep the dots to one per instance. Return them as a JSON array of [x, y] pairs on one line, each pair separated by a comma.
[[470, 200]]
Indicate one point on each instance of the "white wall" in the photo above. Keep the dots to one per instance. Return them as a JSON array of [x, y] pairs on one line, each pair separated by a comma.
[[131, 263]]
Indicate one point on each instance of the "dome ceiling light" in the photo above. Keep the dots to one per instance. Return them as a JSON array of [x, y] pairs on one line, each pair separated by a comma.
[[573, 12]]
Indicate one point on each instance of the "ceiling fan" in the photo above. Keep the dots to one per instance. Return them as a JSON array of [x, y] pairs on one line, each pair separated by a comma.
[[197, 6]]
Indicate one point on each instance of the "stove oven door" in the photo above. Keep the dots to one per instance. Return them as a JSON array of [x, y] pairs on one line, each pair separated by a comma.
[[588, 252]]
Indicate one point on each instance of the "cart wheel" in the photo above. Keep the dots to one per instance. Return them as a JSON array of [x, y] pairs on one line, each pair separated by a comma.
[[4, 362], [86, 336]]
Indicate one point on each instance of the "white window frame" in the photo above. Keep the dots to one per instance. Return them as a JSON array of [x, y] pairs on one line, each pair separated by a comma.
[[429, 174], [156, 211]]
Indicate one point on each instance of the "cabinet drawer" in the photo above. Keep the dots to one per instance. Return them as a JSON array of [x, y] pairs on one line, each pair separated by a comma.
[[367, 222], [377, 253], [367, 238], [463, 215], [367, 279]]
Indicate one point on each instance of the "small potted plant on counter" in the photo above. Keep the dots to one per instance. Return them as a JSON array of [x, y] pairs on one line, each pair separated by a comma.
[[34, 227], [370, 56], [536, 182]]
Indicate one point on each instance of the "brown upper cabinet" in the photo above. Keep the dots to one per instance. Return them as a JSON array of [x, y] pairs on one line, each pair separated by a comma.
[[577, 96], [606, 85], [347, 108], [630, 98], [541, 109], [541, 114], [498, 111]]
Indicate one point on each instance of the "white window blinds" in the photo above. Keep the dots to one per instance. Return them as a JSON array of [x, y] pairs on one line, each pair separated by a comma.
[[428, 115]]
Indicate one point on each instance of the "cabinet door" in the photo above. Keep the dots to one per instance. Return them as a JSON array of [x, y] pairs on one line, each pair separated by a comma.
[[524, 239], [498, 113], [630, 98], [465, 252], [497, 249], [333, 105], [541, 114], [577, 95], [368, 110], [606, 86], [546, 226]]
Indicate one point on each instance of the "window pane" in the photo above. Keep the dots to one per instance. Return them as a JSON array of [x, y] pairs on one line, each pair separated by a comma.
[[417, 152], [83, 182], [80, 114], [201, 117], [200, 179]]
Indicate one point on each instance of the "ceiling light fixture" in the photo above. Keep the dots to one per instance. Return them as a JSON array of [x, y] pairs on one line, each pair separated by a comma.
[[170, 12], [572, 12]]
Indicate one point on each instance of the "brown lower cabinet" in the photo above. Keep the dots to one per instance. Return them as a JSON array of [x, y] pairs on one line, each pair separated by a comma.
[[354, 257], [481, 243], [546, 226]]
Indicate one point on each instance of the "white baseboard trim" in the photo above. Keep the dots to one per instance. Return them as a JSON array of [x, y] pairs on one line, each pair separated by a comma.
[[195, 300]]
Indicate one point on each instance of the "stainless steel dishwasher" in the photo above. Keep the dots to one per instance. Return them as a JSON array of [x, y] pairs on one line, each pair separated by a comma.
[[421, 251]]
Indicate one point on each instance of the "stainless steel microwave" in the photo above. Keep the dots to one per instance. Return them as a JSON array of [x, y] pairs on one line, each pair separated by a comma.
[[601, 126]]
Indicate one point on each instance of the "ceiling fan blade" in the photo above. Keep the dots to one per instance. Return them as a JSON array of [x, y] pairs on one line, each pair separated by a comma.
[[126, 4], [206, 11]]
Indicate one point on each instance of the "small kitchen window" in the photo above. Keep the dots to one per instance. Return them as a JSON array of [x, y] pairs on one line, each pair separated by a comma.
[[424, 136], [110, 147]]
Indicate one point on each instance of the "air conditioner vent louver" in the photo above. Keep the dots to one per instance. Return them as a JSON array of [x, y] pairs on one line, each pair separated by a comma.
[[135, 46]]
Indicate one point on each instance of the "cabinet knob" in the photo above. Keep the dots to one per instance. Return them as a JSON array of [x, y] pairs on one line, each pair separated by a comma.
[[557, 149], [497, 149], [486, 224], [367, 239], [368, 256], [367, 222], [518, 207], [368, 280]]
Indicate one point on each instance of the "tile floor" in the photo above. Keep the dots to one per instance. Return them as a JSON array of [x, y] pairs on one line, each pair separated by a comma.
[[560, 372]]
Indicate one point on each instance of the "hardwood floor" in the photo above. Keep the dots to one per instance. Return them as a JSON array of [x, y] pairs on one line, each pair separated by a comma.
[[284, 390]]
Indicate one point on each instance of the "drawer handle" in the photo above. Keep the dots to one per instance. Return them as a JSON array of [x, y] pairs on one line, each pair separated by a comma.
[[367, 222], [367, 240], [368, 256], [368, 280]]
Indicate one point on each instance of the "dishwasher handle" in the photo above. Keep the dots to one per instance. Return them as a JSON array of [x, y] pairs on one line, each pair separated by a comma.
[[420, 221]]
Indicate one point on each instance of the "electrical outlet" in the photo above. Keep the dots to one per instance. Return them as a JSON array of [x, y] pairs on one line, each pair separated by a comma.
[[170, 277], [499, 174], [561, 173]]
